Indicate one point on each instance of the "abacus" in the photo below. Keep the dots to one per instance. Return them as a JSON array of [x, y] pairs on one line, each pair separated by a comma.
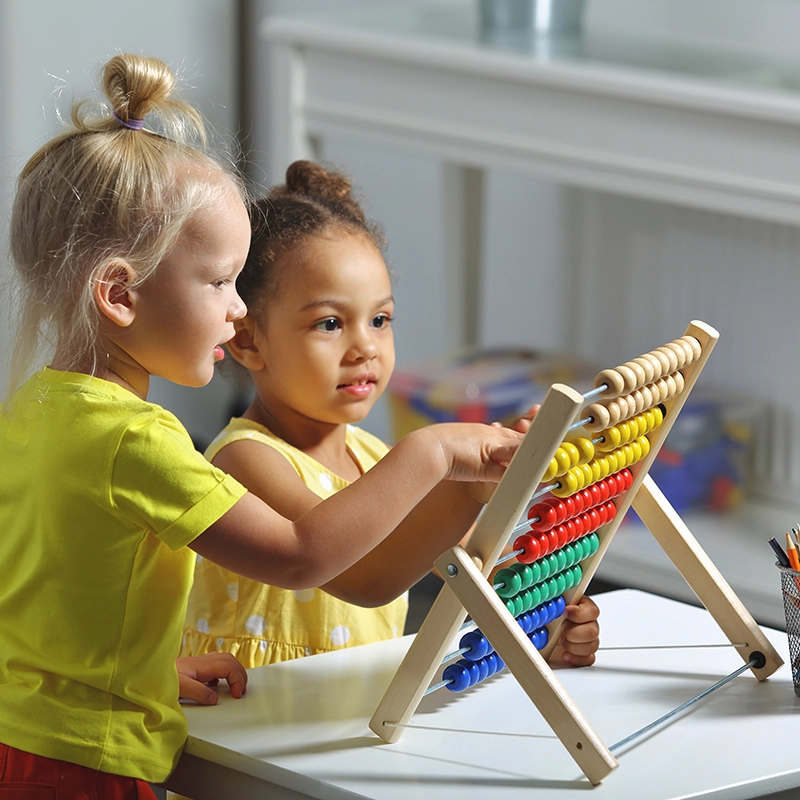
[[571, 495]]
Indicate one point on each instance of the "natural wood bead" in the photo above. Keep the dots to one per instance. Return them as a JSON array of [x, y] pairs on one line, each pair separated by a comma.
[[638, 370], [680, 353], [658, 367], [600, 417], [629, 376], [612, 379], [694, 344], [647, 368], [671, 357], [614, 410]]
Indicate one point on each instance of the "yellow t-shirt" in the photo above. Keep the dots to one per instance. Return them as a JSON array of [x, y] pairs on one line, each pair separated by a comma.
[[263, 624], [100, 492]]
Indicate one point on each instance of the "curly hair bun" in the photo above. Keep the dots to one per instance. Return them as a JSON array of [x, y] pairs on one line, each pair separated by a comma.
[[313, 181]]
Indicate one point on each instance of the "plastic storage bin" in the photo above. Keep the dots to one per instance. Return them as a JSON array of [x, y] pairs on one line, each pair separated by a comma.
[[480, 385]]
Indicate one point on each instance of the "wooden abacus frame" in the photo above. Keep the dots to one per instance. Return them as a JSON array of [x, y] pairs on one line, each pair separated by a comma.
[[467, 590]]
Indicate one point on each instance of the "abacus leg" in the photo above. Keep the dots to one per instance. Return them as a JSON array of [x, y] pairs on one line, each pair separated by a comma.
[[702, 575], [527, 665], [420, 664]]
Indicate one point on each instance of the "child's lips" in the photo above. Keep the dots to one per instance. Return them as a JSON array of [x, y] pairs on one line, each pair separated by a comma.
[[361, 387], [219, 353]]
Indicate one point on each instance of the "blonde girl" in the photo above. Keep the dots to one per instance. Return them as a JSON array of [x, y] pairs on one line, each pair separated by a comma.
[[127, 244], [317, 343]]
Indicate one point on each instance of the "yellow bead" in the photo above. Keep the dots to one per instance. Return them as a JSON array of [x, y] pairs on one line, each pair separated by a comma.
[[586, 448], [573, 453]]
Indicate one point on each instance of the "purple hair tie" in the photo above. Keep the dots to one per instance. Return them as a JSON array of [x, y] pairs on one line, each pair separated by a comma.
[[132, 124]]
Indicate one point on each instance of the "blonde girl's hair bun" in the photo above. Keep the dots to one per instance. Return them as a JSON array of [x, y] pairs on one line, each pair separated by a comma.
[[136, 85]]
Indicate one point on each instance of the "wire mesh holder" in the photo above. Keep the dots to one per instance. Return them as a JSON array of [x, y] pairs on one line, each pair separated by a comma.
[[790, 590]]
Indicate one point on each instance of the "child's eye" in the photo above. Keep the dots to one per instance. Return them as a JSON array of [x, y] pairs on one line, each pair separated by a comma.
[[381, 321], [222, 282], [330, 324]]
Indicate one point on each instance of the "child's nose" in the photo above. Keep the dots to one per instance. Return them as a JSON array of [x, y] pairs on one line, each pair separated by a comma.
[[363, 346], [238, 309]]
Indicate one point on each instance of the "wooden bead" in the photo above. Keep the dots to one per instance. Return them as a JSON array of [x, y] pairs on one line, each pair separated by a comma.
[[614, 411], [679, 380], [671, 357], [694, 344], [658, 367], [613, 380], [638, 370], [655, 391], [663, 388], [600, 417], [663, 360], [680, 353], [627, 406], [628, 376], [647, 367]]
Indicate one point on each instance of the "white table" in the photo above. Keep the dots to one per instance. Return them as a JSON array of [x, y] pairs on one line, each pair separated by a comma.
[[301, 730]]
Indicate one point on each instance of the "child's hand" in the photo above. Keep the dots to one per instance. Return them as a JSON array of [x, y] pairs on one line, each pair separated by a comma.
[[521, 424], [482, 492], [473, 451], [198, 674], [580, 633]]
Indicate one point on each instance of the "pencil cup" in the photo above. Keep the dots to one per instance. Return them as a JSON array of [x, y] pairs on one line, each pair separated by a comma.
[[790, 588]]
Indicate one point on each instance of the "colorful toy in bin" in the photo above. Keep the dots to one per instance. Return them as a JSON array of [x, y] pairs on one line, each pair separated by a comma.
[[703, 462], [478, 385]]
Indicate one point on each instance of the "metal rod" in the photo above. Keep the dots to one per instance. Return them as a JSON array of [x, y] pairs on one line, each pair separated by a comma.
[[754, 661]]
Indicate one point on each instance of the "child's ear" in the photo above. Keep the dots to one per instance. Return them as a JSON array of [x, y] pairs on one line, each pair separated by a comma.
[[243, 346], [112, 292]]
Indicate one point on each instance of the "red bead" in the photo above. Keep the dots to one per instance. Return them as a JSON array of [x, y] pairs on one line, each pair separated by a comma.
[[611, 511], [594, 516], [546, 517], [549, 541], [569, 505], [529, 546], [558, 505], [597, 494]]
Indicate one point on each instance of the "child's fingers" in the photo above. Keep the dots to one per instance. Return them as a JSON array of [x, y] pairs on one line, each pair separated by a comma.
[[585, 610], [206, 670]]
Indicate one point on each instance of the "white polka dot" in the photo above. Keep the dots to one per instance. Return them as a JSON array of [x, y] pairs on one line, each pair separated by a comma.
[[202, 626], [326, 482], [340, 635], [220, 643], [304, 595], [232, 590], [262, 645], [256, 625], [308, 651]]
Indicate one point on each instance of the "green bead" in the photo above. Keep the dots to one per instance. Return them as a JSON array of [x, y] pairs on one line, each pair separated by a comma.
[[525, 574], [508, 582]]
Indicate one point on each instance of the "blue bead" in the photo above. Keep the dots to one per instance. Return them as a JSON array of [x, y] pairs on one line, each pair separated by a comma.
[[458, 677], [477, 643], [560, 604]]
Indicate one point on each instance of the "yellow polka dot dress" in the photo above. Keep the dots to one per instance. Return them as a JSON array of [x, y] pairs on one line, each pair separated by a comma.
[[262, 624]]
